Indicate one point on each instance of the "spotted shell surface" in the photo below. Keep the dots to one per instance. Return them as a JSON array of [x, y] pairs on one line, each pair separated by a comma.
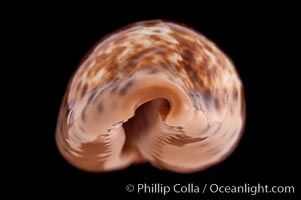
[[154, 91]]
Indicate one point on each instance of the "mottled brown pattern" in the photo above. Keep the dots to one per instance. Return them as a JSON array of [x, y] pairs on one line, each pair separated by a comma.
[[200, 77]]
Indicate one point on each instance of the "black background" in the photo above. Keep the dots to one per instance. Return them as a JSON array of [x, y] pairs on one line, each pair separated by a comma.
[[258, 39]]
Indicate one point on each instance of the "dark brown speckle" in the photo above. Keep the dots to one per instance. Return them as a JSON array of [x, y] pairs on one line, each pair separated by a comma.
[[83, 114], [84, 90], [207, 95], [92, 95], [235, 94], [100, 107], [217, 103], [125, 88], [188, 56]]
